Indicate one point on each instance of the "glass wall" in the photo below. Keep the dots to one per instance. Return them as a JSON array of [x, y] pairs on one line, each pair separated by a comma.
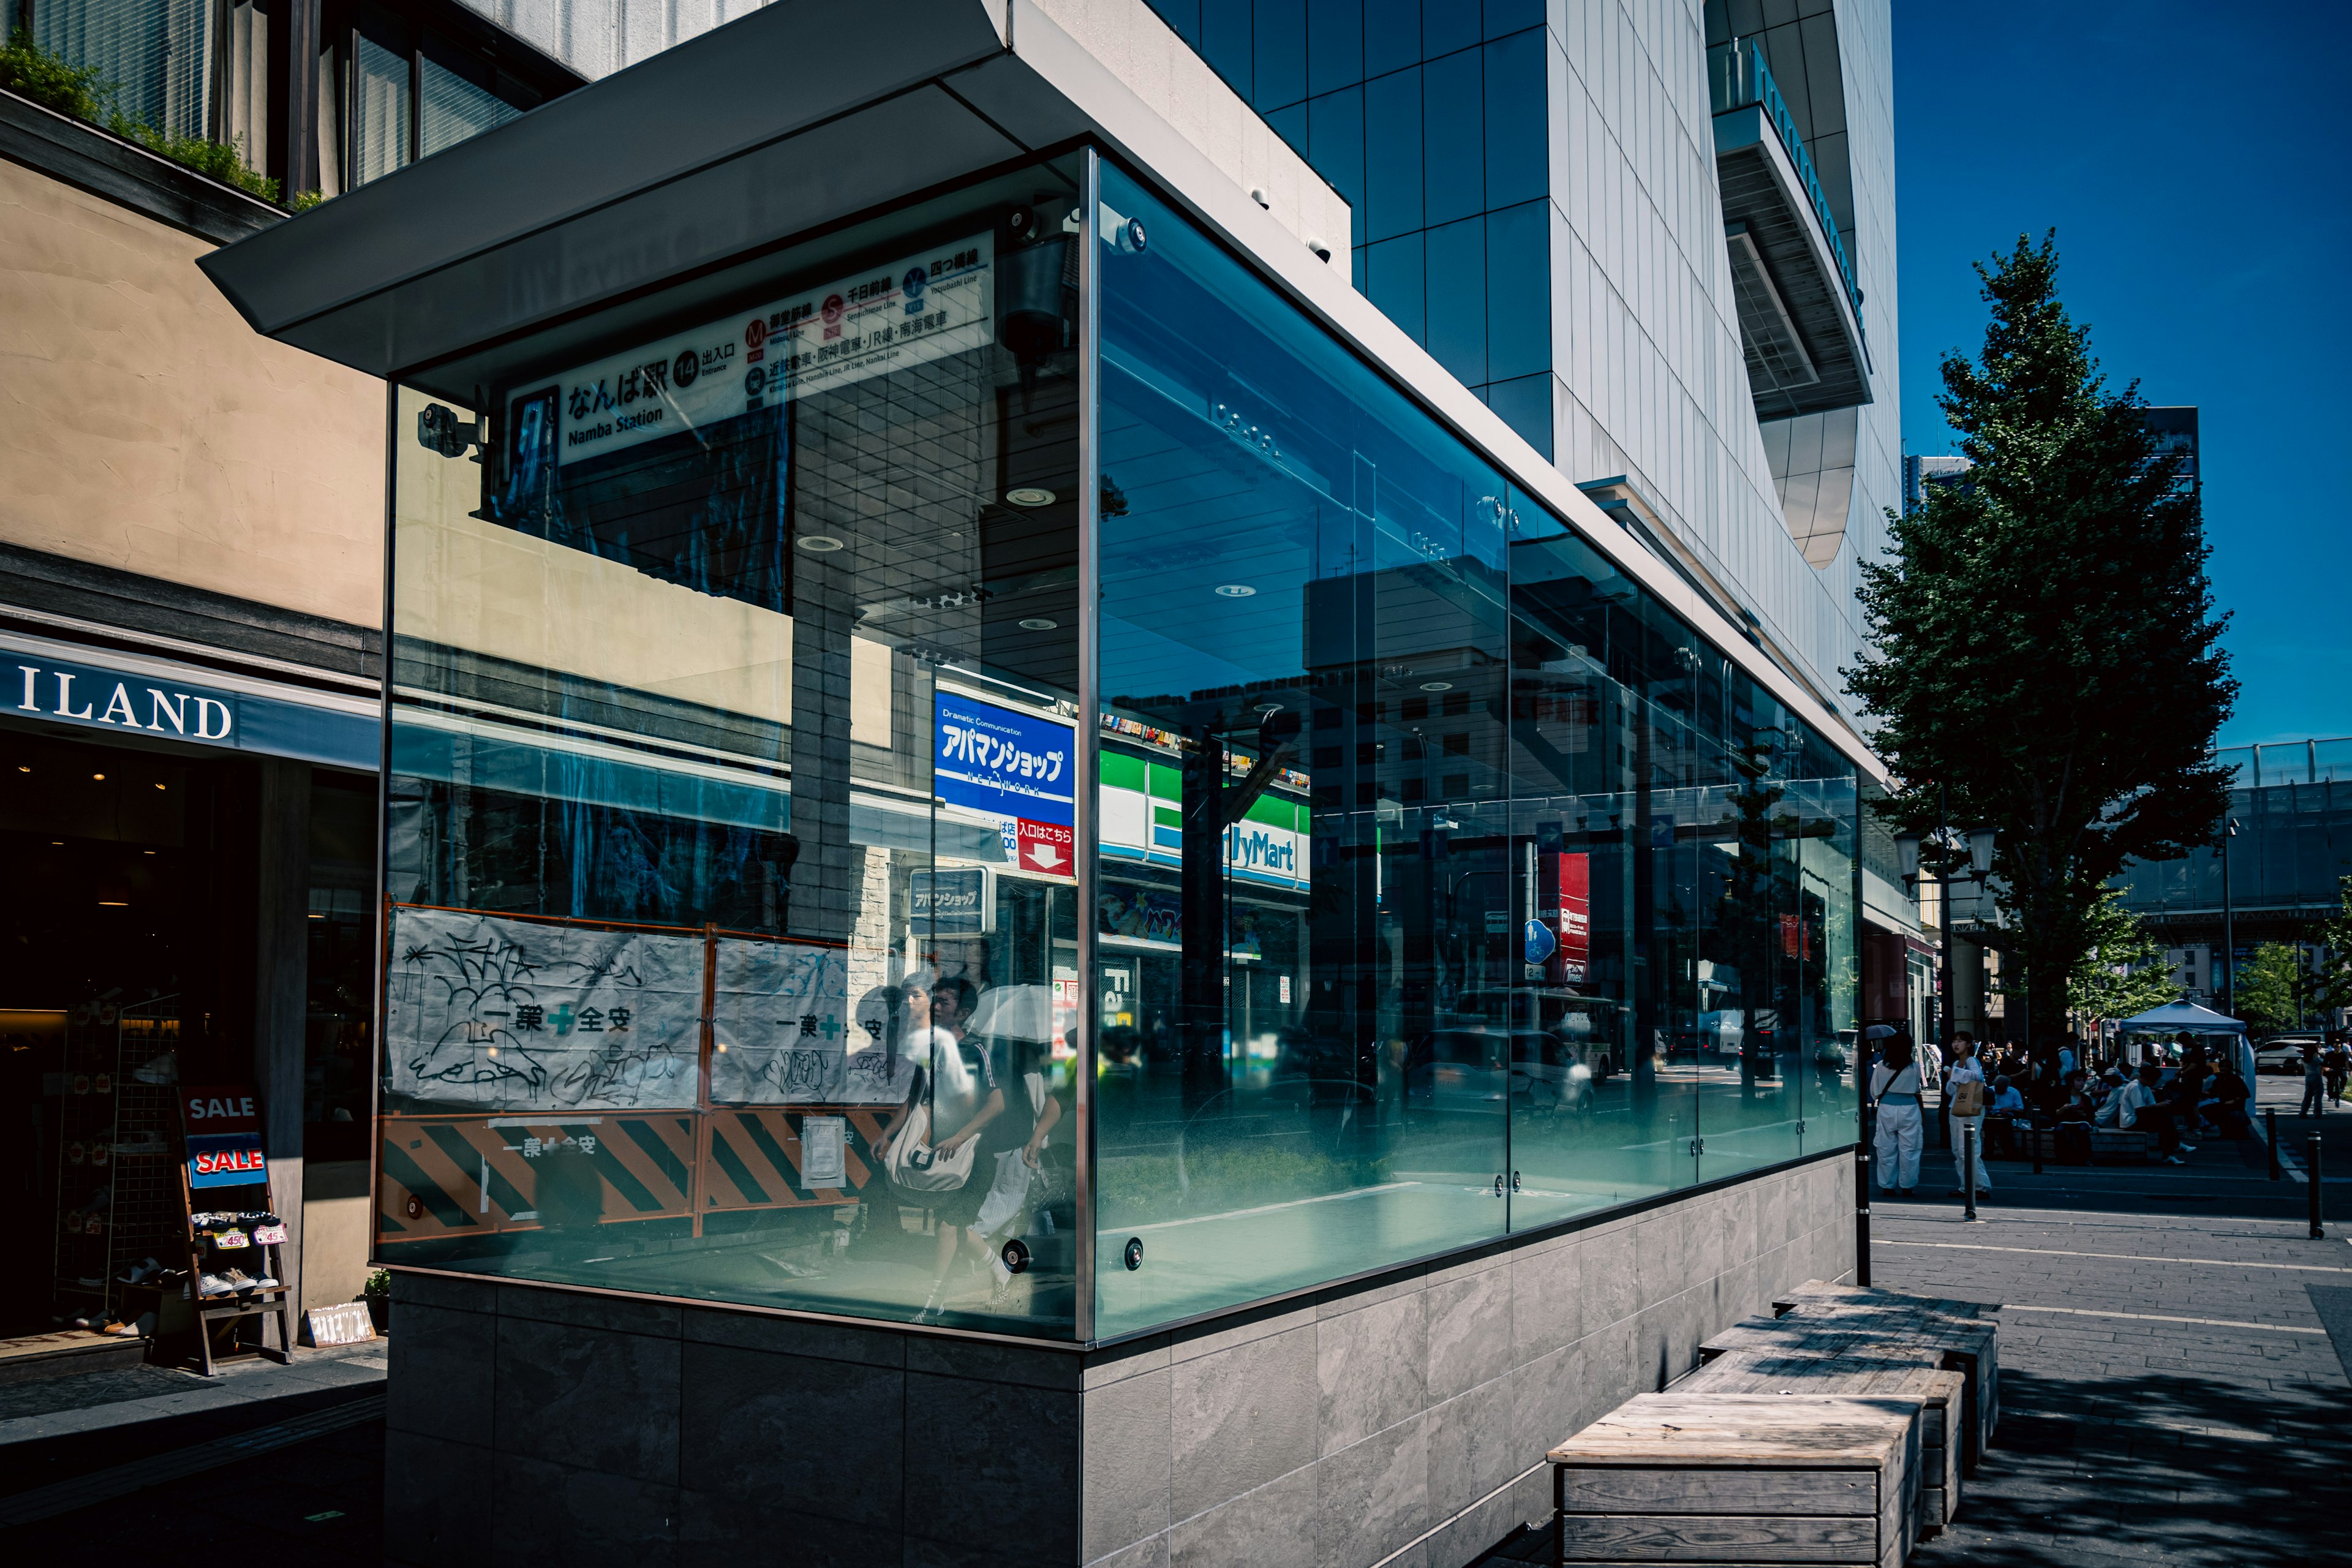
[[733, 914], [749, 937], [1448, 884]]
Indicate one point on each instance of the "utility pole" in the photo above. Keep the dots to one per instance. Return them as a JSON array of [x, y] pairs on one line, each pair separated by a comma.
[[2229, 932]]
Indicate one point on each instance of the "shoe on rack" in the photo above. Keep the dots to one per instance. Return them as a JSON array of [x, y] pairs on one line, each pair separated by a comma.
[[164, 1068], [238, 1280], [214, 1285], [267, 1282]]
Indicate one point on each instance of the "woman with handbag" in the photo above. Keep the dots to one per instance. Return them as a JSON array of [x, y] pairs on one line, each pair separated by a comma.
[[931, 1145]]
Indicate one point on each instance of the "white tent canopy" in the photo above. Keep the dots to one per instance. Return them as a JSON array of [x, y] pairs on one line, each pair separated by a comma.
[[2175, 1016]]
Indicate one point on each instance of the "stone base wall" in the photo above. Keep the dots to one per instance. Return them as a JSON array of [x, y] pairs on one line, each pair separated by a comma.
[[1404, 1420]]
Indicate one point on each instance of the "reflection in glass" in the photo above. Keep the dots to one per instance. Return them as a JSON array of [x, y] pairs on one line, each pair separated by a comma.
[[732, 940]]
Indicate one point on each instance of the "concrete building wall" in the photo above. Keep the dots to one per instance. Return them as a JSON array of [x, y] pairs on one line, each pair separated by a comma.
[[1405, 1415], [149, 429]]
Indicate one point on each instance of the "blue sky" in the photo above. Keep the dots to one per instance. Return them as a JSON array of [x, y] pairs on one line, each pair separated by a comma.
[[2193, 159]]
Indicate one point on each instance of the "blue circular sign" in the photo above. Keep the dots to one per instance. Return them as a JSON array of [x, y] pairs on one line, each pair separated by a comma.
[[1541, 942], [915, 282]]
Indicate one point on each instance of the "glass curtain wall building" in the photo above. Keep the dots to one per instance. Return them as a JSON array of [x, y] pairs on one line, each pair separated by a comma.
[[984, 769]]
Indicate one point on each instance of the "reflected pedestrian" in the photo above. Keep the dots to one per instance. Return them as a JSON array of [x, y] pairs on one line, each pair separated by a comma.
[[2314, 1083]]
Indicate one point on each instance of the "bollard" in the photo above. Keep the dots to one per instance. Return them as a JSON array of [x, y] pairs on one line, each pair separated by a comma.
[[2269, 1136], [1968, 1159], [2311, 1175], [1862, 1216], [2033, 1132]]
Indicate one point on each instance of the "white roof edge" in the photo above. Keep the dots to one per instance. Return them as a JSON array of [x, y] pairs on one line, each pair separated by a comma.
[[1214, 200]]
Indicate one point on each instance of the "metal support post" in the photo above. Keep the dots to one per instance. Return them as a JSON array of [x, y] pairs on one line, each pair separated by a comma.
[[2311, 1175], [1968, 1159], [2270, 1137]]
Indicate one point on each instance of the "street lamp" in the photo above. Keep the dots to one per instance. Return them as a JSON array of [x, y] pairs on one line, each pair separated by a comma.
[[2228, 937], [1977, 845]]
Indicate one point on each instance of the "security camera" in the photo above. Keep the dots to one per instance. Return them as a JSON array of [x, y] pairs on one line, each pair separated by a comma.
[[438, 429]]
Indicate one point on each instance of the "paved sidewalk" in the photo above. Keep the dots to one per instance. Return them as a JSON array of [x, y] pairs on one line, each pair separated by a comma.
[[2169, 1392]]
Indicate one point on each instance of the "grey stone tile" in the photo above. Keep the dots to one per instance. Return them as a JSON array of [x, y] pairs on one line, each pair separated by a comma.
[[1128, 1464], [794, 1336], [443, 1290], [1371, 1369], [1660, 1253], [1742, 1205], [1549, 1398], [1493, 1256], [1611, 1287], [442, 1369], [1190, 1344], [1132, 1360], [988, 1463], [1547, 1300], [1342, 1300], [439, 1512], [713, 1529], [1372, 1498], [1470, 1334], [1474, 1445], [1038, 1367], [1462, 1541], [603, 1401], [1242, 1417], [748, 1422], [1270, 1527], [618, 1313], [556, 1515], [1147, 1553], [1709, 1249]]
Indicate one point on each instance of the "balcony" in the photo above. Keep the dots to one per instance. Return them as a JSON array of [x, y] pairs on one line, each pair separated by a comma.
[[1799, 308]]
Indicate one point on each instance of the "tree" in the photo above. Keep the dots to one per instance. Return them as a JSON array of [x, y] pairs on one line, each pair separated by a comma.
[[2046, 647], [2331, 980], [2275, 987], [2122, 971]]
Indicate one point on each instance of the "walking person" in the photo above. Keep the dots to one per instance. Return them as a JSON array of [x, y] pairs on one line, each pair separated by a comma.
[[1964, 1095], [2314, 1083], [1894, 1089]]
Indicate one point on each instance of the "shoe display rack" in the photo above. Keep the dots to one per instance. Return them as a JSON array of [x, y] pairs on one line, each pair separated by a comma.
[[118, 1144], [230, 1229]]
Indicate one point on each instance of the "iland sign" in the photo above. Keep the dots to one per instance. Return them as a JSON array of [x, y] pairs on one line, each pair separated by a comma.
[[147, 698], [885, 317], [1017, 768]]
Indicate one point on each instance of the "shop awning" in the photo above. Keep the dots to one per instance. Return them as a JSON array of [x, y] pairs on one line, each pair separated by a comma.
[[2176, 1016]]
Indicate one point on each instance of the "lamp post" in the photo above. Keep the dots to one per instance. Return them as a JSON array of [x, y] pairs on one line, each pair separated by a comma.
[[2228, 936], [1980, 844]]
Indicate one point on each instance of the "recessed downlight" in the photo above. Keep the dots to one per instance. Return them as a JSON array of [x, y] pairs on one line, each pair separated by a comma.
[[99, 777], [1437, 686], [1039, 624], [820, 543], [1235, 591], [1028, 495]]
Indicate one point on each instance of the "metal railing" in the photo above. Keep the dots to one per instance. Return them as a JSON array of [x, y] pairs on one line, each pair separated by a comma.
[[1737, 77]]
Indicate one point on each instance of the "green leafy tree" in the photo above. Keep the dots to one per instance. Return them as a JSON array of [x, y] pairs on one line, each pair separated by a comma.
[[2331, 978], [2274, 987], [2046, 647], [2122, 971]]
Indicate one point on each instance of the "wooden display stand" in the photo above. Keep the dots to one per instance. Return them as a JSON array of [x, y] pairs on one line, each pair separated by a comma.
[[266, 1302]]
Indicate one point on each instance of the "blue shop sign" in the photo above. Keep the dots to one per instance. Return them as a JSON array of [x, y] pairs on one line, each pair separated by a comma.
[[957, 902], [154, 702], [1001, 760]]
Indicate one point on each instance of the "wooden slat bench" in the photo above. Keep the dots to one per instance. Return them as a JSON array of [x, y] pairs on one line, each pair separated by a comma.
[[1712, 1478], [1941, 1397]]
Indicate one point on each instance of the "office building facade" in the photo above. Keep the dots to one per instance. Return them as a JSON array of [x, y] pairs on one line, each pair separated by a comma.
[[1023, 844]]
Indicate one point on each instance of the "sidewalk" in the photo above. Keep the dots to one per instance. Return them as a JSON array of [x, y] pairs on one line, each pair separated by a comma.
[[2170, 1393]]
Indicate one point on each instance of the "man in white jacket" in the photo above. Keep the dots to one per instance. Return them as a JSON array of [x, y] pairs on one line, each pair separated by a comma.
[[1894, 1089], [1968, 1113]]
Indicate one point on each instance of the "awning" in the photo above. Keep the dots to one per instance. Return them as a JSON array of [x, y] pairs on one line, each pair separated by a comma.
[[2176, 1016]]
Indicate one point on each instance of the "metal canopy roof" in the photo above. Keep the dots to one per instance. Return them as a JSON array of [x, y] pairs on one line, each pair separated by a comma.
[[741, 136]]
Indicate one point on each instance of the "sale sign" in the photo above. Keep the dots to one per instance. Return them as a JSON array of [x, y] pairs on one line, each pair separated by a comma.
[[1048, 847], [224, 1137]]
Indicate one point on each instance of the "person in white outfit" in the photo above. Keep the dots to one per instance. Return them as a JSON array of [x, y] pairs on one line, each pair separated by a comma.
[[1894, 1089], [1965, 1093]]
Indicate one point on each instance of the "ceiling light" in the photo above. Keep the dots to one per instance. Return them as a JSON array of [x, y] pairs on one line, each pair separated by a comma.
[[1235, 590], [99, 777], [820, 543], [1437, 686], [23, 769], [113, 904], [150, 852], [1039, 624], [1029, 495], [162, 786]]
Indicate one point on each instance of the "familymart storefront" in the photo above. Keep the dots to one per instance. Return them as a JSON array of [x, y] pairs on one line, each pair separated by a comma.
[[191, 855]]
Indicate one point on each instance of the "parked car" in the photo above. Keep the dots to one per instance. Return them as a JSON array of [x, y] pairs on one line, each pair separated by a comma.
[[2284, 1053], [1462, 1070]]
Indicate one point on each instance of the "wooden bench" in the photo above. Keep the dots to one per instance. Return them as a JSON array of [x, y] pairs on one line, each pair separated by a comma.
[[1940, 1396], [1716, 1478]]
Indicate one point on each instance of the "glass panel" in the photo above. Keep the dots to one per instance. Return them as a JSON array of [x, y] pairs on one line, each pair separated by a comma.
[[1280, 76], [1447, 25], [1457, 299], [1225, 42], [380, 110], [1391, 36], [1392, 155], [451, 107], [1516, 137], [157, 56], [733, 923], [1518, 292], [1453, 145], [1335, 44], [1393, 276], [1305, 819]]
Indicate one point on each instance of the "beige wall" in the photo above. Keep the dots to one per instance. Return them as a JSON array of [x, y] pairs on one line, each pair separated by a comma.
[[144, 426], [336, 1232]]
